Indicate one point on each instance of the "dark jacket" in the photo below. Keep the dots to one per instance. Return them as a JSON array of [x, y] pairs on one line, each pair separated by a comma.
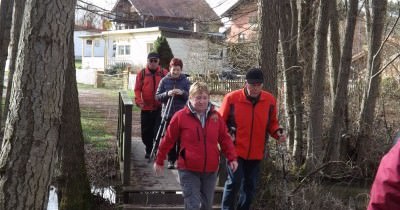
[[199, 146], [169, 83]]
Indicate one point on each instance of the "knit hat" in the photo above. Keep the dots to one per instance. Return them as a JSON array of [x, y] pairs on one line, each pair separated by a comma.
[[153, 55], [254, 75], [176, 62]]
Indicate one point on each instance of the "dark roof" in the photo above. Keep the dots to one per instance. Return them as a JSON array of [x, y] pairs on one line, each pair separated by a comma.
[[191, 9]]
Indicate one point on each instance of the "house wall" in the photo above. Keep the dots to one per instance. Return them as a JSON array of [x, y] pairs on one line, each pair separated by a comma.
[[243, 23], [198, 56], [78, 44]]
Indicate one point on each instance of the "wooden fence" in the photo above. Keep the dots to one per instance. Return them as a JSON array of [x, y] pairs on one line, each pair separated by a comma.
[[220, 86]]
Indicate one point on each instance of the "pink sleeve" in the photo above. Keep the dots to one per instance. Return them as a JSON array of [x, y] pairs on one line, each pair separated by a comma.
[[385, 191]]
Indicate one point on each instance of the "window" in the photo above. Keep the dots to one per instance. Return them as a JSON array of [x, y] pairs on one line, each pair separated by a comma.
[[89, 42], [124, 49], [150, 47], [97, 43]]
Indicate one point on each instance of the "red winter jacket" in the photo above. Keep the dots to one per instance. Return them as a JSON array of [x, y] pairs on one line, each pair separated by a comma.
[[385, 191], [146, 87], [199, 147], [251, 122]]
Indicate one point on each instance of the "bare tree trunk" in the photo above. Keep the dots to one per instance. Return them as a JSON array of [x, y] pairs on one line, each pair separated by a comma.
[[334, 49], [372, 88], [19, 6], [32, 128], [74, 184], [294, 94], [5, 27], [340, 102], [306, 39], [317, 92], [269, 26]]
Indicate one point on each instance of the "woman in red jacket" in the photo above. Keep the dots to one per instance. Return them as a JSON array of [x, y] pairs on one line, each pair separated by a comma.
[[201, 132], [385, 191]]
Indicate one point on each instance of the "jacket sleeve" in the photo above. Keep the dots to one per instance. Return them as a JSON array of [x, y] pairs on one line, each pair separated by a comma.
[[385, 191], [170, 137], [273, 123], [226, 142], [185, 89], [162, 92], [138, 89]]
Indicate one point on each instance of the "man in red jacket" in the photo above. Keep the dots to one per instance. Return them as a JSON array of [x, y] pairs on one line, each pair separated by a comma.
[[251, 115], [385, 191], [146, 85]]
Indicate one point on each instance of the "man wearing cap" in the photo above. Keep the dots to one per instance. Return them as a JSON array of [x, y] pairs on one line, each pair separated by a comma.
[[146, 85], [251, 115]]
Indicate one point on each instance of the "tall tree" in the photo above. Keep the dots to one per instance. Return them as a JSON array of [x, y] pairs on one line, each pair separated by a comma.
[[18, 11], [314, 148], [5, 27], [334, 50], [294, 86], [306, 38], [340, 99], [371, 91], [73, 182], [32, 128], [161, 46], [268, 42]]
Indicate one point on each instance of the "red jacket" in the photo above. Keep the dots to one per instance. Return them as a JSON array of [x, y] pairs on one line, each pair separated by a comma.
[[385, 191], [146, 87], [251, 122], [199, 147]]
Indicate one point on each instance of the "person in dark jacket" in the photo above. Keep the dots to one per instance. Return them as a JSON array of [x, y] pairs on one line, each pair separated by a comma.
[[202, 134], [174, 84], [385, 191], [146, 84], [251, 115]]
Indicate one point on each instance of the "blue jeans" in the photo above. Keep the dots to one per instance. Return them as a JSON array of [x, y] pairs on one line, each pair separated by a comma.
[[198, 189], [243, 180]]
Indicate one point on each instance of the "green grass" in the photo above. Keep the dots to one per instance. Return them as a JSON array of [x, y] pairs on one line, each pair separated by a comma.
[[94, 132]]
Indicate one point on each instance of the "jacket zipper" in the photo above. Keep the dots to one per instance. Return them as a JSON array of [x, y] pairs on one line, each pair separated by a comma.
[[205, 146], [251, 130]]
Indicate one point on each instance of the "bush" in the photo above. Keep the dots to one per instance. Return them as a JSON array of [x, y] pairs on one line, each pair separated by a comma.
[[116, 68]]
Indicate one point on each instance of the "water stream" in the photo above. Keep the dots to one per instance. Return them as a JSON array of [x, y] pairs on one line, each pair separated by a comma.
[[107, 193]]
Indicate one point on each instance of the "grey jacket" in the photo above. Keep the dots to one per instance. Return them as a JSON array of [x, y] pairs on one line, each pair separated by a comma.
[[168, 83]]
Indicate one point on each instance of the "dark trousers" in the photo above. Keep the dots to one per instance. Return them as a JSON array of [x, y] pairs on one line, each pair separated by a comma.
[[174, 152], [244, 181], [150, 121]]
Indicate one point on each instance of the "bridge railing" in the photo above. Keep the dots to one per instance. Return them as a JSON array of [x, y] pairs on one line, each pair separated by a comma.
[[124, 135]]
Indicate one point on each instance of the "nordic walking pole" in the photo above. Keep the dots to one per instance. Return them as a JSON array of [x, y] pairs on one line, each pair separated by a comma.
[[161, 128]]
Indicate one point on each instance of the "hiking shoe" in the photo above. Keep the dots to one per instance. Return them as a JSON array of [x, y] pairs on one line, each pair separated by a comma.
[[171, 165]]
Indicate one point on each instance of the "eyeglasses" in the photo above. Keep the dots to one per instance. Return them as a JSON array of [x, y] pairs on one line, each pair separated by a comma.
[[153, 60]]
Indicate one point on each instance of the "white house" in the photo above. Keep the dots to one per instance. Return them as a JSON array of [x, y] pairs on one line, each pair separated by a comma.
[[200, 52]]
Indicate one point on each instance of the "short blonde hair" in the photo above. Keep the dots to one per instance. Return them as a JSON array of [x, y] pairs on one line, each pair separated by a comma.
[[198, 87]]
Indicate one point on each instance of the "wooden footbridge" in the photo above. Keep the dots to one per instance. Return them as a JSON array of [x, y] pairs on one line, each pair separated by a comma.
[[141, 189]]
